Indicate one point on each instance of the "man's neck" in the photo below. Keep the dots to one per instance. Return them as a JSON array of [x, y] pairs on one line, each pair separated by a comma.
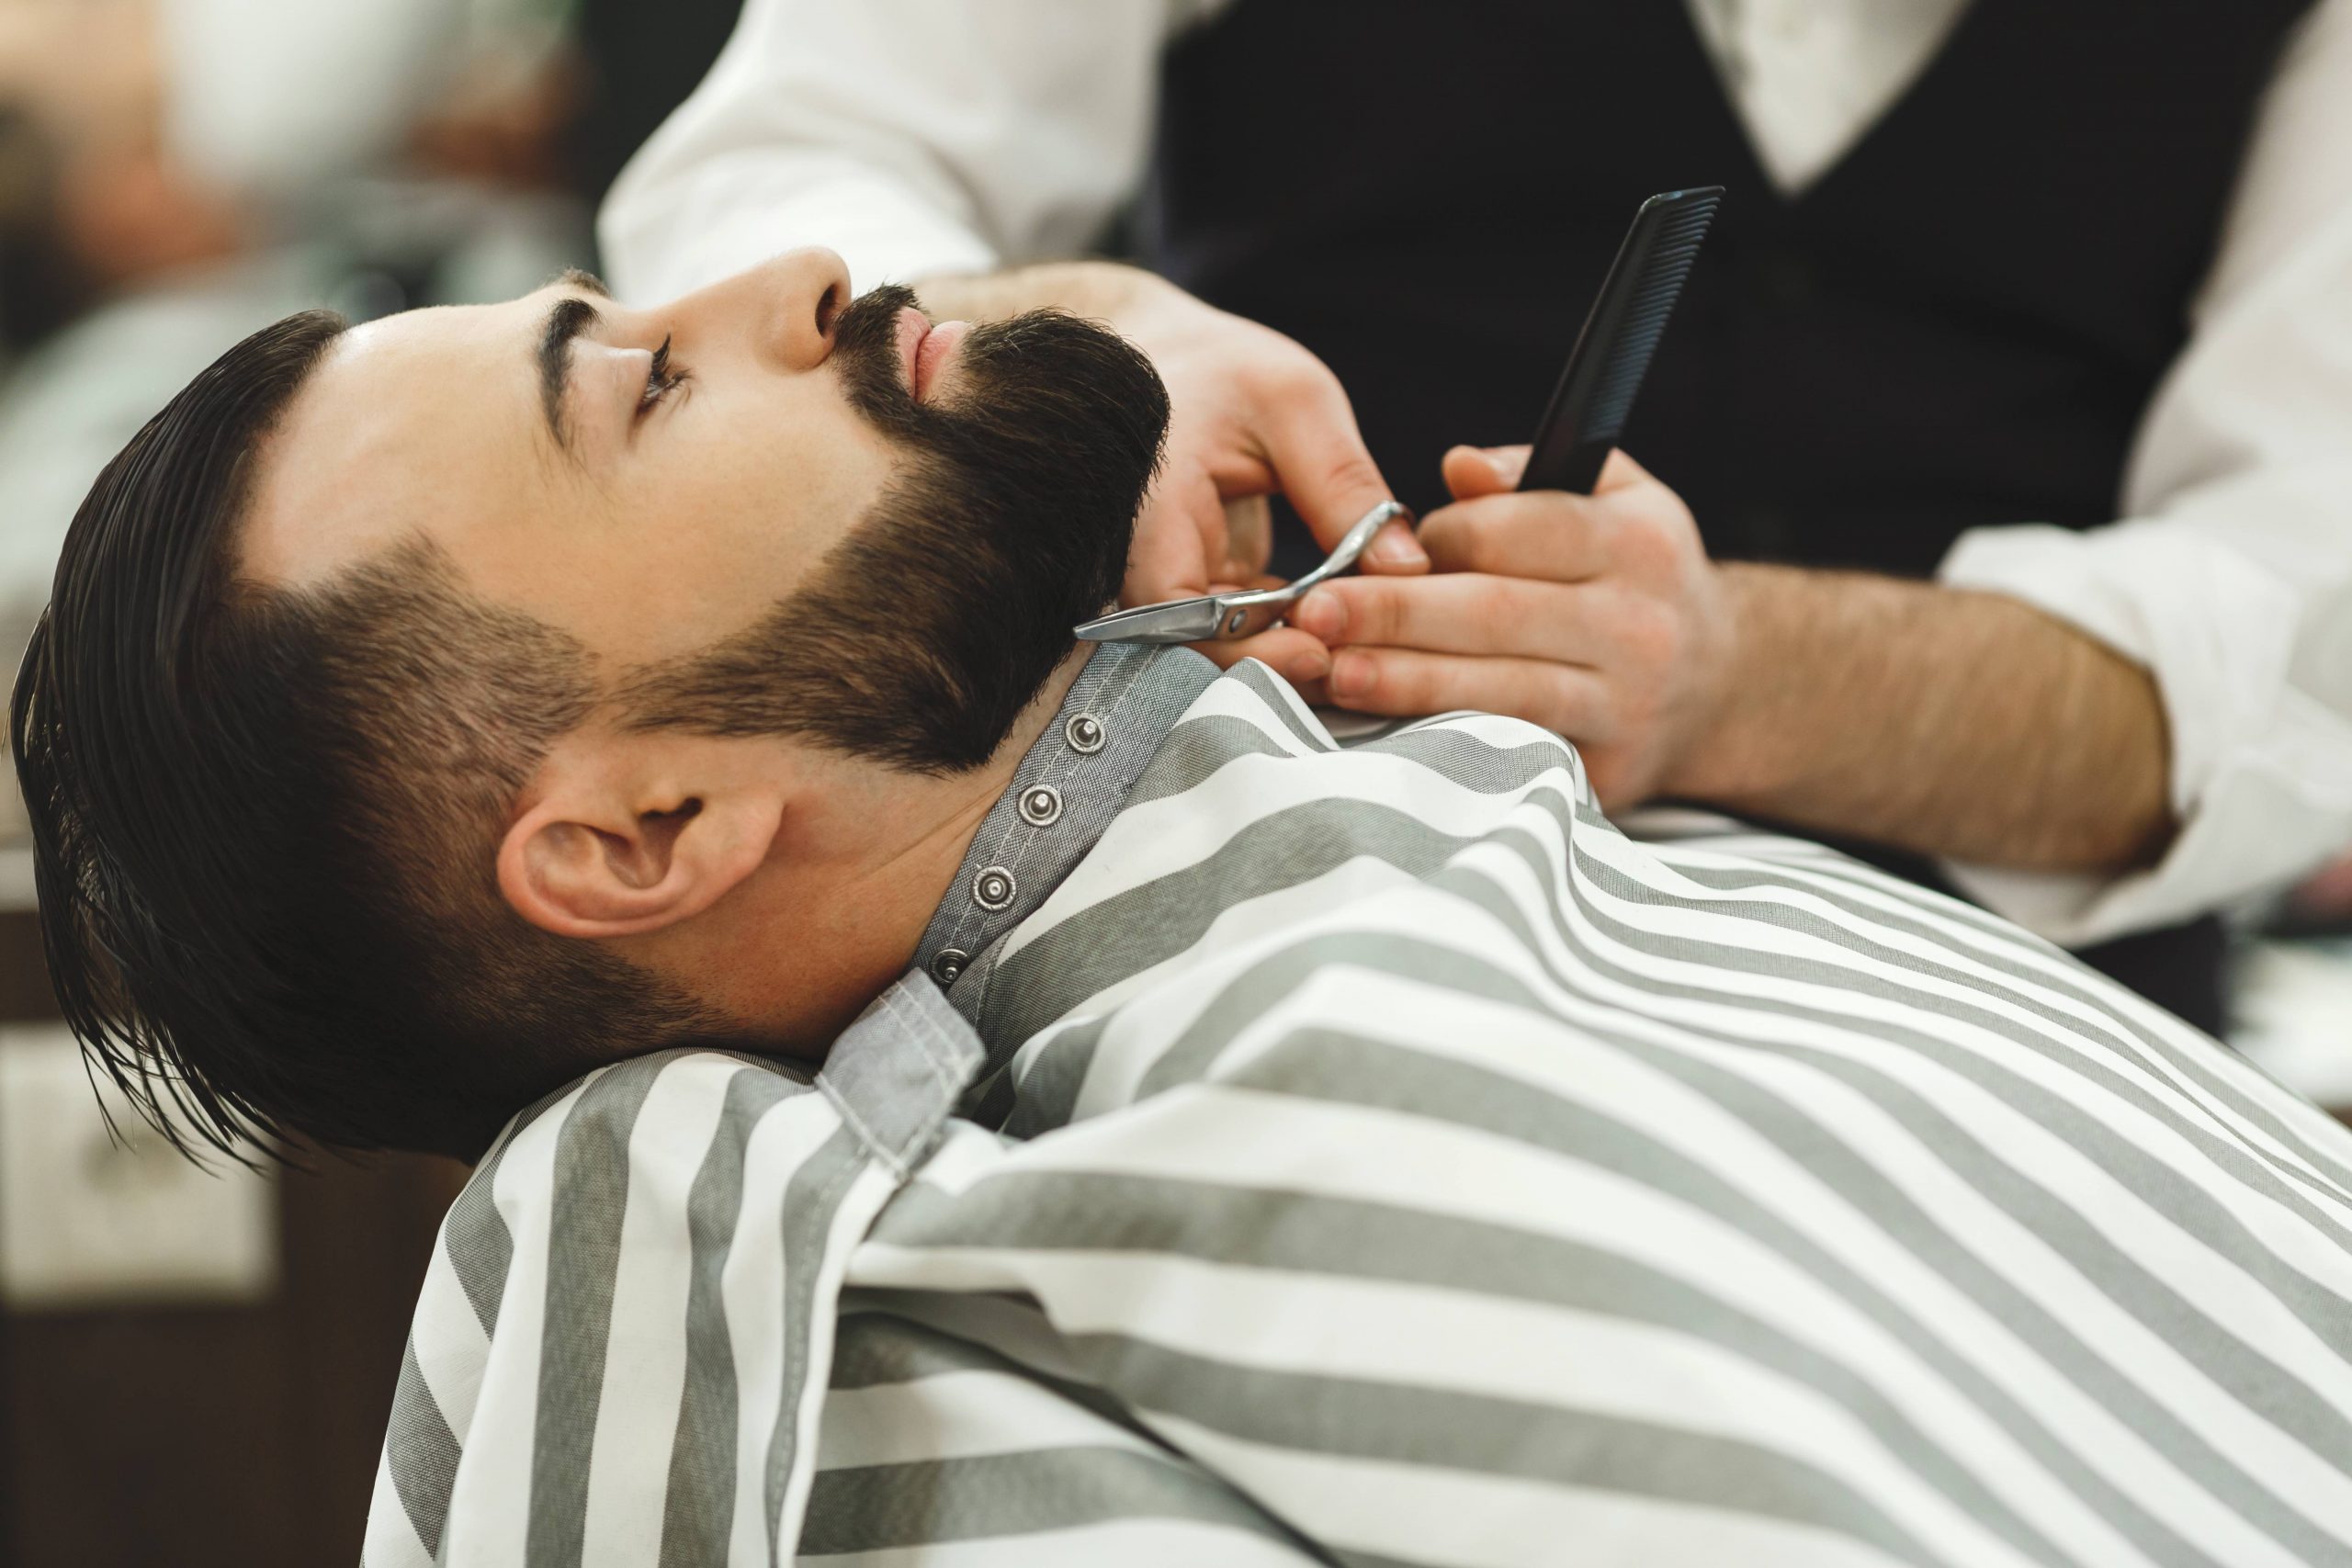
[[864, 858]]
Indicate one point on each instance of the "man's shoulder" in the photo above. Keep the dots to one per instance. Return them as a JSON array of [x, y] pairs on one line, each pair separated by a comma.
[[594, 1117], [593, 1235], [703, 1063]]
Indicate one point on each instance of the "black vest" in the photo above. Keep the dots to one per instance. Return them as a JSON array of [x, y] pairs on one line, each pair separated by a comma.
[[1960, 323]]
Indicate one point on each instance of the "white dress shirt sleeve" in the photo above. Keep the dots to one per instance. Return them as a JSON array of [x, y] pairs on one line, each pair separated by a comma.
[[916, 137], [2230, 579]]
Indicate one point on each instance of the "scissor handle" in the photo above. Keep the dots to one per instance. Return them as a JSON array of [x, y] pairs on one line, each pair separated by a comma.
[[1226, 617], [1247, 614]]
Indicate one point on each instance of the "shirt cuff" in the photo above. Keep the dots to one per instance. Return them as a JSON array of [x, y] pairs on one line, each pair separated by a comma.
[[2251, 757], [716, 221]]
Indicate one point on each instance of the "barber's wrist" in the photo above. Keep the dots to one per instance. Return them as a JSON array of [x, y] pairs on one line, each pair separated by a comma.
[[1739, 751]]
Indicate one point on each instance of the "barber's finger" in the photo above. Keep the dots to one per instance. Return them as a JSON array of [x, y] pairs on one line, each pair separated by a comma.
[[1311, 440], [1181, 522], [1473, 471], [1541, 534], [1406, 683], [1248, 535], [1454, 612], [1291, 653]]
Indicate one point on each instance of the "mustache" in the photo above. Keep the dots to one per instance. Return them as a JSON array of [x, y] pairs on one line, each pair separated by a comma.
[[1044, 378], [866, 353]]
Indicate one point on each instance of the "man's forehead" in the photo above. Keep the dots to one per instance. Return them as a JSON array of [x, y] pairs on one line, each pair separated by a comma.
[[414, 423]]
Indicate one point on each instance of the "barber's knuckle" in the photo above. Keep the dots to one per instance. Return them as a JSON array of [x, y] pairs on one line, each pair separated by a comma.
[[1653, 633], [1376, 611], [1290, 378], [1412, 686], [1351, 469], [1522, 602], [1485, 605], [1653, 544]]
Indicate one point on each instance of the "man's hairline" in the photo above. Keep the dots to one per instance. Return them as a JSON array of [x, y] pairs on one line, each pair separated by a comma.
[[256, 471], [260, 462]]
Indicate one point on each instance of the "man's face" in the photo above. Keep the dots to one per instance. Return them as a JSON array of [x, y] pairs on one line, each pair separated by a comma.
[[654, 483]]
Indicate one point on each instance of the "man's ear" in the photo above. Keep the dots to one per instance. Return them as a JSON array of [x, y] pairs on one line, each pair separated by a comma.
[[623, 842]]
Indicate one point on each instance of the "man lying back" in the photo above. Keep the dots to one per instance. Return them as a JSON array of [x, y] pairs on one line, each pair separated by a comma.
[[1229, 1146], [430, 711]]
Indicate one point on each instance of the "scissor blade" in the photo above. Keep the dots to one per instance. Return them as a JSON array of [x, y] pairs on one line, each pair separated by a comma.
[[1179, 620]]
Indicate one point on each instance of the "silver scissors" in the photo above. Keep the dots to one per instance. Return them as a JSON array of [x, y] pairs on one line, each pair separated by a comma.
[[1243, 613]]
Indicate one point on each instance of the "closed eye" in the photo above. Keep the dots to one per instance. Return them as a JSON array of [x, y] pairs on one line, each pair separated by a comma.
[[662, 378]]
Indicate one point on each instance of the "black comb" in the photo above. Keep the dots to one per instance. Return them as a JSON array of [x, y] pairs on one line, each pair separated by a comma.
[[1612, 354]]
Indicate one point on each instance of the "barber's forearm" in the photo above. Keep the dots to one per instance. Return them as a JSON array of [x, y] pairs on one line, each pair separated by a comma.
[[1954, 724]]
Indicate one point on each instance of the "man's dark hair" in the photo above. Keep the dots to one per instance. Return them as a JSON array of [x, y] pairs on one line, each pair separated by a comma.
[[258, 813]]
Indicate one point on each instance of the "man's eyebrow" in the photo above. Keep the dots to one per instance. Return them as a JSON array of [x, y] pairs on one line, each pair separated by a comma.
[[585, 281], [571, 316]]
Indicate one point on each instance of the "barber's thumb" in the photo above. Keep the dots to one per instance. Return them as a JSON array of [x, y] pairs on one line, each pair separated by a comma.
[[1473, 471]]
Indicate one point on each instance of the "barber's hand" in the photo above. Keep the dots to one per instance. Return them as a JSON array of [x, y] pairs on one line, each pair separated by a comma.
[[1598, 617], [1254, 413]]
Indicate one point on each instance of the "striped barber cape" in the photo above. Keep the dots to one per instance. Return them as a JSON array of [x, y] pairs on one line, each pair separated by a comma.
[[1373, 1155]]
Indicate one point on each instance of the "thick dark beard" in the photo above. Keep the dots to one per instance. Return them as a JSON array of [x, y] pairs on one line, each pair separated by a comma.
[[928, 629]]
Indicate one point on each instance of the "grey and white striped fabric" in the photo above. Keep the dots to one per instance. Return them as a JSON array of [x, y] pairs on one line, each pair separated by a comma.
[[1378, 1157], [618, 1355]]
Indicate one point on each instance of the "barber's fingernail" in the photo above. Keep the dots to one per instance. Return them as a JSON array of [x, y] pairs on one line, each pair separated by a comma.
[[1503, 461], [1320, 615], [1396, 546], [1350, 676], [1302, 668]]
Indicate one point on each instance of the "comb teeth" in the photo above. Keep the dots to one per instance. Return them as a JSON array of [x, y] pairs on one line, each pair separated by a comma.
[[1612, 354], [1651, 293]]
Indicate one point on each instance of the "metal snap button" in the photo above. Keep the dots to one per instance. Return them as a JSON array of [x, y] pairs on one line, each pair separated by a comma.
[[1085, 734], [948, 965], [1041, 806], [993, 889]]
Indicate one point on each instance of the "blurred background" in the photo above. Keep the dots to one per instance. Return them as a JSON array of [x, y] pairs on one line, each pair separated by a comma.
[[194, 1366]]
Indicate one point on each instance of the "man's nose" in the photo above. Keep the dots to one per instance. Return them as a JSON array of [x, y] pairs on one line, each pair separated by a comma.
[[791, 302]]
